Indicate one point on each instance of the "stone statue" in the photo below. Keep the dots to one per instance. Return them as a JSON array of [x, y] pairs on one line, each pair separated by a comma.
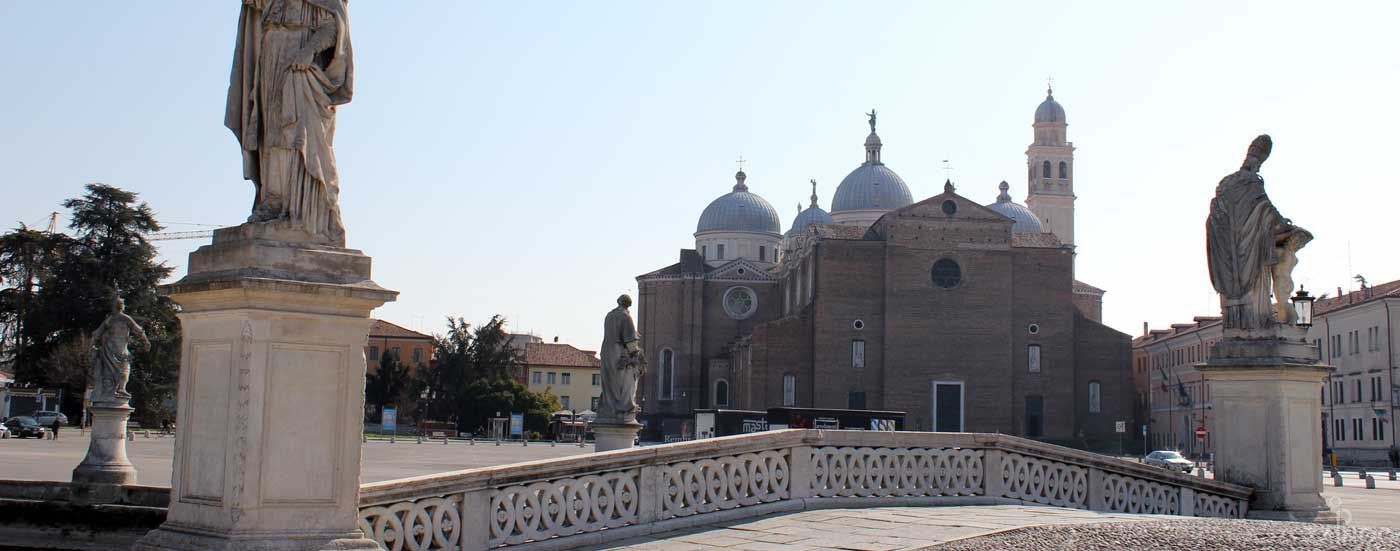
[[111, 360], [623, 364], [871, 114], [1251, 249], [292, 65]]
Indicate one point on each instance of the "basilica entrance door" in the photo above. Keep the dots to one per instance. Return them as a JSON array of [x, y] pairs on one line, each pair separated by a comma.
[[947, 406]]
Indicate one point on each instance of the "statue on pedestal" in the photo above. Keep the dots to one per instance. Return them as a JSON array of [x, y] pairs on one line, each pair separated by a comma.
[[623, 364], [111, 358], [1251, 248], [292, 65]]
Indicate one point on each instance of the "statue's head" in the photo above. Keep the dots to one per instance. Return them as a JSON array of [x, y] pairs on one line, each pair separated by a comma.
[[118, 305], [624, 301], [1258, 153]]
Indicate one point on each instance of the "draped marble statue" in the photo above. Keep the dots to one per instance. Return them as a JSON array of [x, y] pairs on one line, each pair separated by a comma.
[[1251, 248], [111, 357], [292, 65], [623, 364]]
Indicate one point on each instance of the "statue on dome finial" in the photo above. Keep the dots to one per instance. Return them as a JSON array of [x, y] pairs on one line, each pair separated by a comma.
[[871, 114], [1251, 249]]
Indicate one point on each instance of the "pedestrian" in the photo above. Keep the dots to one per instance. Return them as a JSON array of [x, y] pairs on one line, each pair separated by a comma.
[[1395, 457], [55, 427]]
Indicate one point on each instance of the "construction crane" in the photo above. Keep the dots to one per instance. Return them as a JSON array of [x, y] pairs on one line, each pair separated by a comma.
[[170, 236]]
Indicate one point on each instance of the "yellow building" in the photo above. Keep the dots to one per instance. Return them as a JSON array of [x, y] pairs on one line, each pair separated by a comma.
[[571, 374]]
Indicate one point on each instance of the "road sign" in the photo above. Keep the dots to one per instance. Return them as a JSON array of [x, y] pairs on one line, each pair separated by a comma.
[[1120, 427], [1144, 430], [1200, 433]]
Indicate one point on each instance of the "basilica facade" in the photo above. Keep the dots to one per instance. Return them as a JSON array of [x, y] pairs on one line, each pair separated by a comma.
[[966, 317]]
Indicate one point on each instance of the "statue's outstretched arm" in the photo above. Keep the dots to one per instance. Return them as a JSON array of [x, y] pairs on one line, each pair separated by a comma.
[[140, 333]]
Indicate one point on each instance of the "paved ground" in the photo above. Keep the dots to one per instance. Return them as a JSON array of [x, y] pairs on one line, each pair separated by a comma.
[[29, 459], [1235, 535], [873, 529]]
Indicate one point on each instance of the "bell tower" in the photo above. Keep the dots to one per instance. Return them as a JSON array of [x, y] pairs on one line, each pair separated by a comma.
[[1050, 170]]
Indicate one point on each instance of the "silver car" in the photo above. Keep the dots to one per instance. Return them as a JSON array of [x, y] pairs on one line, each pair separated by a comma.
[[1169, 459]]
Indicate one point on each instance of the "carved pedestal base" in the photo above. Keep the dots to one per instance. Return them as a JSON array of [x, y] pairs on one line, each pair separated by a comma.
[[98, 477], [272, 379], [615, 437], [1268, 426]]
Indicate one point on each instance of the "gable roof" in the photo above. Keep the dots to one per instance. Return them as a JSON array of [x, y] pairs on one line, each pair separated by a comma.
[[383, 329], [558, 354]]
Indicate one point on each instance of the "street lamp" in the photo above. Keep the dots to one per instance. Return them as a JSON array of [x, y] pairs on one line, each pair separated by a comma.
[[1303, 305]]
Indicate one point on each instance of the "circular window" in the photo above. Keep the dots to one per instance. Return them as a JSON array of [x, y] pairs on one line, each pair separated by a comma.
[[946, 273], [858, 325], [742, 271], [949, 207], [740, 302], [1034, 328]]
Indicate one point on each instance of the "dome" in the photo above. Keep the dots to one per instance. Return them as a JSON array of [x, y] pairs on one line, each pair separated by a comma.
[[739, 211], [1049, 110], [811, 216], [871, 186], [1026, 221]]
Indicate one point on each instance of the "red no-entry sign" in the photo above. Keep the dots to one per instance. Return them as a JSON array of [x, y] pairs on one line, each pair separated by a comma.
[[1200, 433]]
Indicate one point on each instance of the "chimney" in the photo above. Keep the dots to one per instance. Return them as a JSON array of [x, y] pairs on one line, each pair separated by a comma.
[[1144, 329]]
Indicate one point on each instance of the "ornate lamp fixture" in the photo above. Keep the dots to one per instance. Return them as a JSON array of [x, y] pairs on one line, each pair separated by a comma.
[[1303, 304]]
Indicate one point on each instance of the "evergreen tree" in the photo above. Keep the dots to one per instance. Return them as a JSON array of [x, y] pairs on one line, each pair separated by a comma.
[[474, 378], [58, 289], [392, 385]]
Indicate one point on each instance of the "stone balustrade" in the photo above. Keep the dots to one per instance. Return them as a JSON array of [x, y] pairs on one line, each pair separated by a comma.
[[582, 500]]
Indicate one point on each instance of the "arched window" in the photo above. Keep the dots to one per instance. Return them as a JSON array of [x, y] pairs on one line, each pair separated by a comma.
[[721, 393], [789, 390], [1045, 169], [1064, 170], [667, 376]]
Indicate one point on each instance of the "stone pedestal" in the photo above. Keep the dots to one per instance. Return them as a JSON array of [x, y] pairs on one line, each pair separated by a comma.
[[1268, 423], [99, 477], [619, 436], [272, 377]]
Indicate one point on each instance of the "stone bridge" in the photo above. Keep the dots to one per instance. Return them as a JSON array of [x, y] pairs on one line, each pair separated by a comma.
[[574, 501]]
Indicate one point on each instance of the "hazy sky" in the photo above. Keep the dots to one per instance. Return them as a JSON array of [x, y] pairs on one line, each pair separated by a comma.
[[532, 158]]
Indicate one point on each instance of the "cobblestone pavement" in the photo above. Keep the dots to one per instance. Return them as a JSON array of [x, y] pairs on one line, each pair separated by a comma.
[[871, 529], [1184, 534]]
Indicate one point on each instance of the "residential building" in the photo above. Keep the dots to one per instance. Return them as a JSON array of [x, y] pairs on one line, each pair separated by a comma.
[[1356, 332], [1177, 396], [571, 374], [412, 348]]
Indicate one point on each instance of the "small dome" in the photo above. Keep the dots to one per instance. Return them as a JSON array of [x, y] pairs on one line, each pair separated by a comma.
[[811, 216], [1026, 221], [871, 186], [739, 210], [1049, 110]]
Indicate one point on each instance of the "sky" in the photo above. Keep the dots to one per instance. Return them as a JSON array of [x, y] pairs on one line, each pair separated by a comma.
[[530, 159]]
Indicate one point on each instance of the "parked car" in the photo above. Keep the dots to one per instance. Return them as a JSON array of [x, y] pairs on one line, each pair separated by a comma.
[[1169, 459], [46, 418], [26, 426], [4, 431]]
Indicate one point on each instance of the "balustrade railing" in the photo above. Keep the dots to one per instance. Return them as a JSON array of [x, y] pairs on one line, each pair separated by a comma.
[[581, 500]]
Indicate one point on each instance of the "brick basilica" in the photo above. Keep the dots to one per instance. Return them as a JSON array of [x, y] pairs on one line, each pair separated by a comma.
[[967, 317]]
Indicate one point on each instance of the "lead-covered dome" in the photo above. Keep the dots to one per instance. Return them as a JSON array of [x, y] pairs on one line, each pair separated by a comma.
[[1025, 220], [1049, 110], [872, 185], [811, 216], [739, 211]]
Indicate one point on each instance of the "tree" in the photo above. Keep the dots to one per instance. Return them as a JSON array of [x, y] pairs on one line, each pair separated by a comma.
[[392, 385], [474, 378], [58, 289]]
